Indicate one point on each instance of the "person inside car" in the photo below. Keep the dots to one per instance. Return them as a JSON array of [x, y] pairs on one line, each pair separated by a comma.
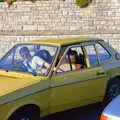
[[34, 64], [45, 55], [76, 60]]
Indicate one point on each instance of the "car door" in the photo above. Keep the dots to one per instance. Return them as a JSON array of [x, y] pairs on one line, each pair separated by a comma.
[[76, 87]]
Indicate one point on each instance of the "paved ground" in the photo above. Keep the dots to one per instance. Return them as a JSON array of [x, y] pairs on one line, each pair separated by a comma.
[[91, 112]]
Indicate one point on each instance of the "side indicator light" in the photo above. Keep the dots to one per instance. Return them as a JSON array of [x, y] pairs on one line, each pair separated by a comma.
[[103, 117]]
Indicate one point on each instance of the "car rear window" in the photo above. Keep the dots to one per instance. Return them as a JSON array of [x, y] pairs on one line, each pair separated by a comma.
[[92, 55], [102, 53]]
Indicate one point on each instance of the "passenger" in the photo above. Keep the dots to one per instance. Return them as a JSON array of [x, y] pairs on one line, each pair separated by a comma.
[[45, 55], [75, 60], [33, 64]]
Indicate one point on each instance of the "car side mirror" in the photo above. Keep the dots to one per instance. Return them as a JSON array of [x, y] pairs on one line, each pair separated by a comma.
[[117, 56]]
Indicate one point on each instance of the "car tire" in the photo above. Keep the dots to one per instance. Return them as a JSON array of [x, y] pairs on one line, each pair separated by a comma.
[[112, 91], [26, 114]]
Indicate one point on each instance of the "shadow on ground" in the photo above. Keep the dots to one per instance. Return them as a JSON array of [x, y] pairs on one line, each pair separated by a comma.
[[91, 112]]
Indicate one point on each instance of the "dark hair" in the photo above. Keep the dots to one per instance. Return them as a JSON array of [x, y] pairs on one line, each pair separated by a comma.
[[24, 51], [45, 55], [79, 58], [72, 52]]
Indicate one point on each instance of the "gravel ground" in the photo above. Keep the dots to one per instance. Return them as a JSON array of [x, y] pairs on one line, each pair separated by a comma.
[[91, 112]]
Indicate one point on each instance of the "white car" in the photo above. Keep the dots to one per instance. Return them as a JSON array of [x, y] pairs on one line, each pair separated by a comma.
[[112, 111]]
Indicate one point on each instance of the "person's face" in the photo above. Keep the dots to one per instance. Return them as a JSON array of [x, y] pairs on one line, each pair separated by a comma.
[[24, 56], [45, 55]]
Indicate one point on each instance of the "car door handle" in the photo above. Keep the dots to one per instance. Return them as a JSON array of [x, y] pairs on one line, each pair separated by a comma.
[[100, 73]]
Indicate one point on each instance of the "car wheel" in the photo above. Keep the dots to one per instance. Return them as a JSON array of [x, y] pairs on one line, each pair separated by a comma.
[[113, 90], [26, 114]]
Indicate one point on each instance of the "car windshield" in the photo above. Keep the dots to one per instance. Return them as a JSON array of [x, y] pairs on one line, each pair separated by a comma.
[[29, 58]]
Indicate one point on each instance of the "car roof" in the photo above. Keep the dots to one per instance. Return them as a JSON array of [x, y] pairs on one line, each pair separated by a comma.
[[63, 41]]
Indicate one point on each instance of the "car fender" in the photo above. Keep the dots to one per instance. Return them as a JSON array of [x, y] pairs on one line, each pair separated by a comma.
[[15, 105]]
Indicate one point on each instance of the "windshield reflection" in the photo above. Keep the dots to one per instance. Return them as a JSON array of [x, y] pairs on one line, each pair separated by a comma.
[[30, 58]]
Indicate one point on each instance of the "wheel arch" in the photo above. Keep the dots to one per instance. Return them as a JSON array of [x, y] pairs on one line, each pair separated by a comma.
[[110, 80], [22, 107], [114, 77]]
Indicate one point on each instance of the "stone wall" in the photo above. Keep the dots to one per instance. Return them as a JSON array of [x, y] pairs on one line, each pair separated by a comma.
[[25, 20]]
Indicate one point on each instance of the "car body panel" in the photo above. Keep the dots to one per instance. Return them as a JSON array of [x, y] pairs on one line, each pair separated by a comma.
[[18, 89], [62, 41], [39, 99], [112, 65], [20, 81], [75, 89]]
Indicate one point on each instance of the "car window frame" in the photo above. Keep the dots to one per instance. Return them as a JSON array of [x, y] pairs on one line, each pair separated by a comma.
[[7, 53], [105, 48], [59, 63], [88, 43], [82, 45], [14, 51], [66, 50]]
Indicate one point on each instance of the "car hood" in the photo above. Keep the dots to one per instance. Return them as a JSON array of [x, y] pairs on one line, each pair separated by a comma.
[[14, 85]]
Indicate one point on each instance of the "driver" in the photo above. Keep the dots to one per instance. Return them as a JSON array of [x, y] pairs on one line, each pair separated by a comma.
[[33, 64]]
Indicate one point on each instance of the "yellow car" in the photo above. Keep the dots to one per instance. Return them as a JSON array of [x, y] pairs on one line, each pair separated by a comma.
[[43, 77]]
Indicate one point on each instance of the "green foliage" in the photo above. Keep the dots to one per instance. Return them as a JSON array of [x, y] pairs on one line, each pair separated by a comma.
[[83, 3], [1, 0], [10, 2]]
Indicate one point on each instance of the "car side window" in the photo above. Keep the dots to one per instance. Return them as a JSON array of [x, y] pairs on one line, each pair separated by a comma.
[[77, 58], [102, 53], [92, 55], [73, 60], [64, 65], [8, 59]]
